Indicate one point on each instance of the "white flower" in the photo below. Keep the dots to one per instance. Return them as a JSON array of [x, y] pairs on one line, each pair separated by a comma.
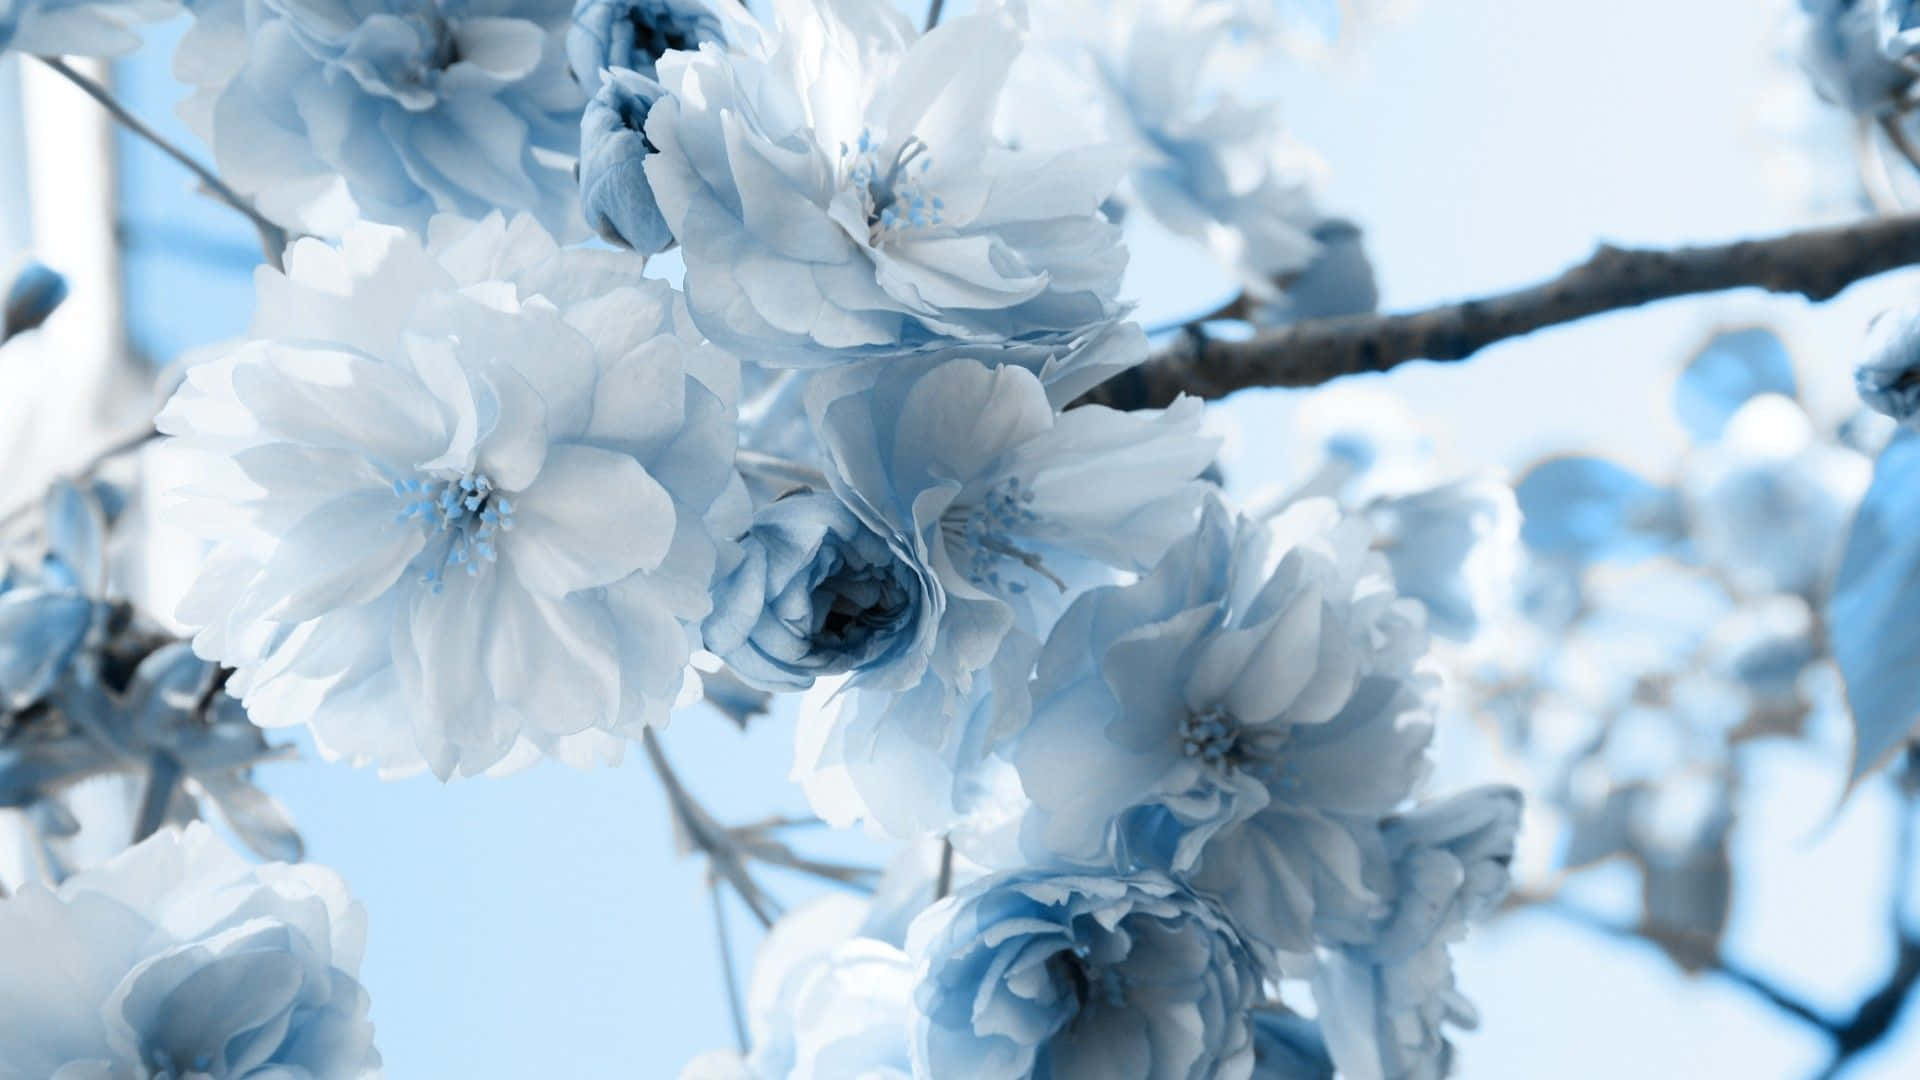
[[178, 959], [843, 189], [465, 497]]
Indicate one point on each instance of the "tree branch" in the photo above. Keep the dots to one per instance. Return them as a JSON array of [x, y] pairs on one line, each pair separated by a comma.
[[1815, 263]]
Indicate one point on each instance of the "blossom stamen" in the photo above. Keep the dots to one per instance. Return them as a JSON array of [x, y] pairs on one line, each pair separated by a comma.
[[894, 198], [987, 529], [468, 509]]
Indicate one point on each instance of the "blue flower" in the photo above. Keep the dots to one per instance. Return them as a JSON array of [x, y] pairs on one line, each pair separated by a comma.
[[1386, 996], [30, 297], [1078, 978], [1002, 504], [1256, 691], [1842, 54], [1287, 1046], [1888, 377], [177, 958], [614, 193], [468, 499], [394, 110], [1218, 170], [841, 192], [1452, 547], [635, 34], [76, 27], [818, 593]]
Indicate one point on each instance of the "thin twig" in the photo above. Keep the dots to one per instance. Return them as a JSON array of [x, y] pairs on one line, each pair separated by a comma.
[[1719, 965], [1815, 263], [126, 444], [734, 1010], [163, 779], [933, 13], [943, 884], [273, 239], [707, 835]]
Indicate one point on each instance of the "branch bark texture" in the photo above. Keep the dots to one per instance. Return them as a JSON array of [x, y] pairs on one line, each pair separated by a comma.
[[1815, 263]]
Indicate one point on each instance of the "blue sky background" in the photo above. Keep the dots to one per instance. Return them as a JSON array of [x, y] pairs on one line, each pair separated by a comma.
[[541, 925]]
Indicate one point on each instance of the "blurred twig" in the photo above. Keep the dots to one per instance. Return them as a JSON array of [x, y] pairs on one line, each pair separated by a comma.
[[1815, 263], [273, 239]]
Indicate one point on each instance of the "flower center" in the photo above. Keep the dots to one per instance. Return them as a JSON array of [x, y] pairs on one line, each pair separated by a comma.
[[1224, 745], [463, 513], [892, 192], [984, 532], [1092, 984], [854, 604], [161, 1061]]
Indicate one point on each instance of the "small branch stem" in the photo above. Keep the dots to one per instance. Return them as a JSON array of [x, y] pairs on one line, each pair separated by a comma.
[[734, 1011], [273, 239], [707, 835], [1815, 263], [933, 13], [163, 777], [943, 884]]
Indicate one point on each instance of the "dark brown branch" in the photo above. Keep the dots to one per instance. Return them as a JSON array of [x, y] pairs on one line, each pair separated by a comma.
[[1815, 263]]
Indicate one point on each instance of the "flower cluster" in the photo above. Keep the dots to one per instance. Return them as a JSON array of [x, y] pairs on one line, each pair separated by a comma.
[[467, 495]]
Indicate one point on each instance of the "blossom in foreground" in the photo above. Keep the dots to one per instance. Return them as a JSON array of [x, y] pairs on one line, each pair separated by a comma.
[[1243, 713], [1385, 999], [389, 112], [818, 593], [840, 191], [465, 497], [1077, 978], [177, 958], [76, 27], [1006, 506]]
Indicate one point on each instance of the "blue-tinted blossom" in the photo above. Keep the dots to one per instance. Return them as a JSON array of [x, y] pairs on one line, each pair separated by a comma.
[[1080, 978], [178, 959], [467, 498], [391, 110], [1386, 998], [1451, 547], [76, 27], [31, 296], [818, 593], [1004, 504], [1888, 377], [1841, 52], [634, 34], [1770, 502], [1206, 165], [826, 1001], [1244, 712], [841, 191], [614, 193]]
